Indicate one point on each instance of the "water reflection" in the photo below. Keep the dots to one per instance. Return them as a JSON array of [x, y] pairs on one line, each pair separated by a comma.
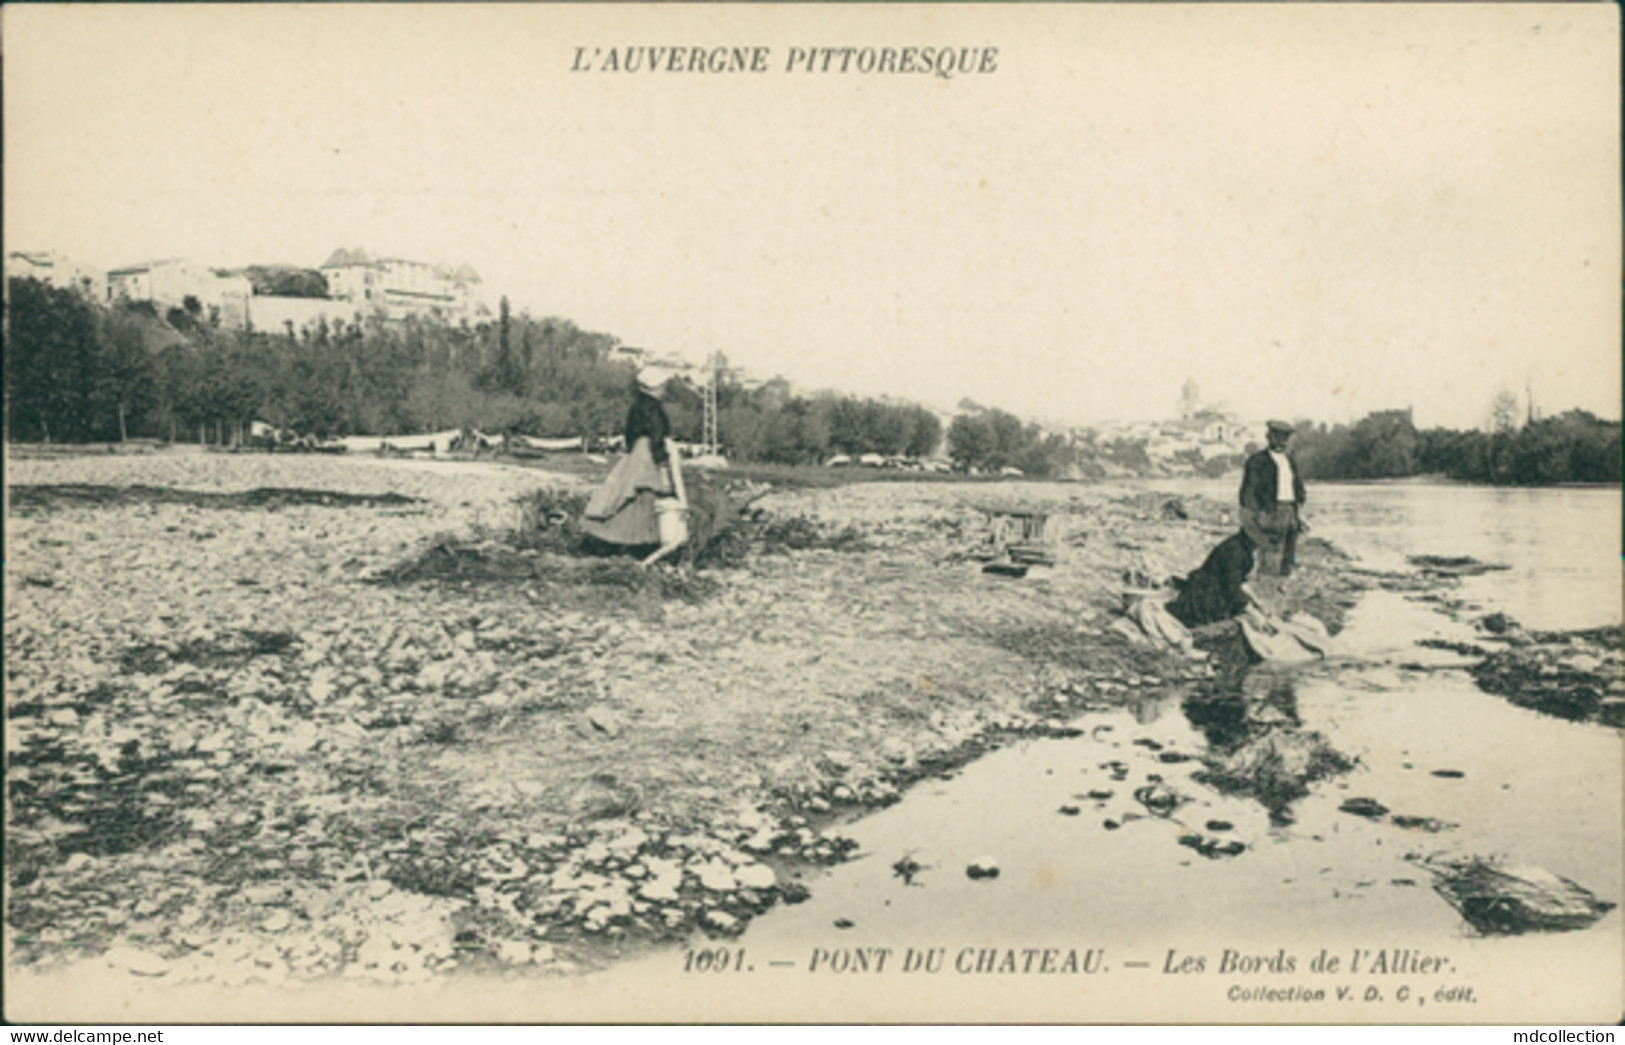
[[1256, 744], [1263, 701], [1147, 708]]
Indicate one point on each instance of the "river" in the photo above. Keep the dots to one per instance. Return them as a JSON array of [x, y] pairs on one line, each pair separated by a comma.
[[1562, 545], [1088, 872]]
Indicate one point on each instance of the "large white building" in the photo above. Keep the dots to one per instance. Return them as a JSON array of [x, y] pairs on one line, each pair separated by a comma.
[[169, 282], [400, 287], [54, 270]]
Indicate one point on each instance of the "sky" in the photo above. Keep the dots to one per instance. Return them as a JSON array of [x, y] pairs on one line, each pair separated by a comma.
[[1310, 211]]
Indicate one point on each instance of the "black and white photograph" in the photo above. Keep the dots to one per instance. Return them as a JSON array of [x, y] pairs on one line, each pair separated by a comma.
[[813, 513]]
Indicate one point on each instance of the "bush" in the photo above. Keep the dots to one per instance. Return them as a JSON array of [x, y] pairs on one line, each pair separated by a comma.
[[550, 520], [800, 534]]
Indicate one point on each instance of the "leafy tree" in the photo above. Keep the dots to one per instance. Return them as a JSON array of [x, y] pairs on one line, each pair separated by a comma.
[[773, 394], [506, 372], [287, 281], [1043, 457], [796, 435], [441, 399], [971, 442], [48, 348], [886, 428], [125, 386], [317, 387], [1010, 438], [1127, 453], [743, 430], [844, 418], [1384, 445], [925, 433], [550, 421]]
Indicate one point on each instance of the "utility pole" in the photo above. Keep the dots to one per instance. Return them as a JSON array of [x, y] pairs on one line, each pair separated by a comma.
[[713, 369]]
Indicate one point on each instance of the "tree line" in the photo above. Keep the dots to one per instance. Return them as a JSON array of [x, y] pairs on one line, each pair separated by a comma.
[[76, 371], [1571, 447], [991, 440]]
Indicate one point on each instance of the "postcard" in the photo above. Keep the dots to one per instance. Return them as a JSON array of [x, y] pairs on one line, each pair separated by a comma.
[[897, 513]]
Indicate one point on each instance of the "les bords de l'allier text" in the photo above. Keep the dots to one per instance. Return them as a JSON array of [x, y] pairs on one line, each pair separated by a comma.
[[941, 62]]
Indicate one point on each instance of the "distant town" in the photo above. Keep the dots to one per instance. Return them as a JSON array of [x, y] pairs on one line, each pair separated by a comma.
[[353, 285]]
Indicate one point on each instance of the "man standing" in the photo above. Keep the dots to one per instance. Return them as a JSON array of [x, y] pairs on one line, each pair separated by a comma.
[[1271, 491]]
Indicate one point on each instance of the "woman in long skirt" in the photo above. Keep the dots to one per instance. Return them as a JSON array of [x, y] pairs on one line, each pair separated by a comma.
[[622, 510]]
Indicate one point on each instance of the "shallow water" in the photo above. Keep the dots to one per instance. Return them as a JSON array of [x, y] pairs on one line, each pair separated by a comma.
[[1538, 789]]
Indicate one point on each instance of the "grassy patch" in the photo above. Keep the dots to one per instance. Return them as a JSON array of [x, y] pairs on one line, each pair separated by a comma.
[[27, 499], [233, 649], [1095, 651], [579, 581], [799, 534]]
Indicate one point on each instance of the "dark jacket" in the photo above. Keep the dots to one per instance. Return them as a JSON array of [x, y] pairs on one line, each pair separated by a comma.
[[647, 419], [1258, 482], [1213, 592]]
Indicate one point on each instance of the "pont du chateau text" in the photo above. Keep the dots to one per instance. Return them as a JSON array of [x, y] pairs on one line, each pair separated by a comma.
[[941, 62], [1362, 976]]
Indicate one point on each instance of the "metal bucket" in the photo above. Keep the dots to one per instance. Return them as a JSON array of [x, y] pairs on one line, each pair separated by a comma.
[[672, 517]]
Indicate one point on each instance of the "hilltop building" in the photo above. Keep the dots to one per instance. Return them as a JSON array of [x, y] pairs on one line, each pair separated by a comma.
[[169, 282], [397, 288], [57, 271]]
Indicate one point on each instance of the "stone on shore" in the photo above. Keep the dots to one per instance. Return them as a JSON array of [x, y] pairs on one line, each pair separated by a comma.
[[983, 867]]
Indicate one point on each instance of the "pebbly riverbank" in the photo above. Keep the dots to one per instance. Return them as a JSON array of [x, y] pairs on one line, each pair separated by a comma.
[[244, 748]]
